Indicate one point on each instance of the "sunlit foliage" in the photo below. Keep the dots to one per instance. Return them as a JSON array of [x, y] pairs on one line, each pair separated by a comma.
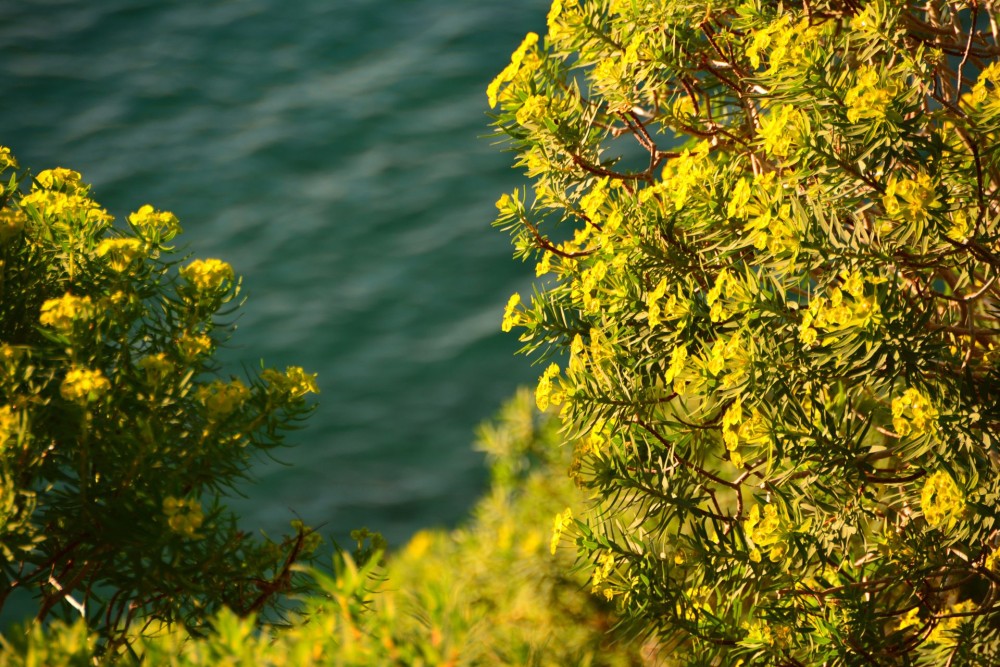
[[118, 438], [767, 241]]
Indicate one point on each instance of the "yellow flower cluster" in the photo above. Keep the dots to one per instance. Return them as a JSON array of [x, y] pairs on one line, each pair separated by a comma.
[[765, 532], [12, 223], [786, 46], [912, 413], [525, 56], [57, 204], [942, 501], [556, 20], [605, 566], [151, 223], [83, 386], [221, 399], [61, 179], [871, 95], [120, 253], [294, 381], [208, 275], [834, 313], [737, 430], [681, 175], [532, 113], [943, 632], [598, 438], [191, 346], [63, 313], [562, 521], [184, 515], [511, 315], [544, 393], [912, 200], [781, 129], [588, 286], [7, 159], [9, 425]]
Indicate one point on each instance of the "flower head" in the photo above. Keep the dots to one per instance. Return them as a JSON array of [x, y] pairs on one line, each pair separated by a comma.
[[84, 386], [63, 313]]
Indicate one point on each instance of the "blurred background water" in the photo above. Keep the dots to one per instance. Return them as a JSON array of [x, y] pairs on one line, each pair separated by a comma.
[[333, 152]]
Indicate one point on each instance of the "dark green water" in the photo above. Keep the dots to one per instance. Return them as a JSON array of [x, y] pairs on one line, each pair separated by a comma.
[[331, 151]]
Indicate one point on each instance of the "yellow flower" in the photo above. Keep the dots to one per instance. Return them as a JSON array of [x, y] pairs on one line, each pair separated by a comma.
[[191, 346], [544, 395], [871, 96], [653, 303], [208, 275], [7, 159], [605, 566], [120, 252], [913, 413], [513, 69], [511, 316], [63, 313], [184, 515], [60, 178], [562, 521], [533, 111], [160, 225], [84, 386], [221, 399], [941, 501], [294, 381]]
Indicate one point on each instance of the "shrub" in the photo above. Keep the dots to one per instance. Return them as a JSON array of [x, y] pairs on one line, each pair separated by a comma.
[[767, 236], [118, 437], [489, 593]]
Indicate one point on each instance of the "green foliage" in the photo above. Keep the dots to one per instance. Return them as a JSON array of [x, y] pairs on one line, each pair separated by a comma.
[[491, 593], [768, 238], [117, 437]]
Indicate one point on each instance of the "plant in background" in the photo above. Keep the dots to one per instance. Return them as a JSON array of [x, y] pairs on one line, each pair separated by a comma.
[[768, 240], [117, 437]]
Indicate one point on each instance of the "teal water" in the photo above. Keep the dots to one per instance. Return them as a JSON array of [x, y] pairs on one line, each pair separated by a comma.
[[332, 151]]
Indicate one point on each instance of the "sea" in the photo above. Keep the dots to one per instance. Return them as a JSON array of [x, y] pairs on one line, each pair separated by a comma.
[[337, 154]]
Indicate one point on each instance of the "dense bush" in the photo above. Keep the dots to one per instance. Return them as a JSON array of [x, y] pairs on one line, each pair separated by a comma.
[[118, 437], [768, 240], [490, 593]]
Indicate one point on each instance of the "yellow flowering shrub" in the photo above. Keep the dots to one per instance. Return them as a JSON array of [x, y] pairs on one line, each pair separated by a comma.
[[769, 237], [116, 434]]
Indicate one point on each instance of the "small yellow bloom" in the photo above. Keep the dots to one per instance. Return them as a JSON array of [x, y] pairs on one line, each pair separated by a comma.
[[509, 73], [61, 179], [63, 313], [161, 225], [942, 501], [184, 515], [191, 346], [222, 399], [84, 386], [511, 316], [7, 159], [294, 381], [208, 275], [560, 523], [120, 253], [544, 394]]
